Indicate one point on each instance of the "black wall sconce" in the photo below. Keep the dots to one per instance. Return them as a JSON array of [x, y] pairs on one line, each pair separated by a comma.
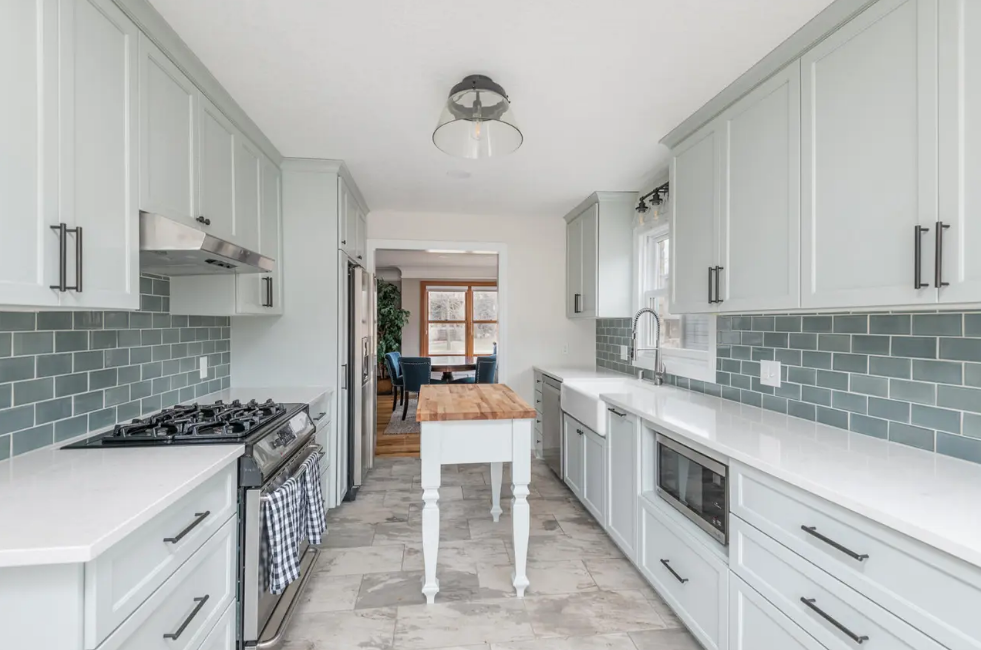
[[656, 197]]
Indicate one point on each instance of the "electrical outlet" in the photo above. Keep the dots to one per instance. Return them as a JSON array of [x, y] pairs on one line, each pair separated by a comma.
[[203, 367], [624, 353], [770, 373]]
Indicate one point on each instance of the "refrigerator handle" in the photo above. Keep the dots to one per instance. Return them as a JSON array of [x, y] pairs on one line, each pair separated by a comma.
[[344, 376]]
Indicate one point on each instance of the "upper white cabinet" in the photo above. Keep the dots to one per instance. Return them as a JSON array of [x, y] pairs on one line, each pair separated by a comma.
[[869, 159], [168, 136], [260, 293], [598, 255], [216, 159], [959, 151], [69, 218], [759, 260], [352, 226], [696, 192], [247, 163]]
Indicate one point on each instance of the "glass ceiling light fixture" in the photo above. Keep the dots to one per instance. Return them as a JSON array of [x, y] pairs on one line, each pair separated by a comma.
[[656, 197], [477, 121]]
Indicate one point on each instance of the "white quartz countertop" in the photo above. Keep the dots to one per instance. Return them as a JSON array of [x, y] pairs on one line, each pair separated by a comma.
[[929, 497], [566, 373], [69, 505]]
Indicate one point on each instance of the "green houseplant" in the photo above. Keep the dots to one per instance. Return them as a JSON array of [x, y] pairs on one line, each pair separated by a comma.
[[391, 319]]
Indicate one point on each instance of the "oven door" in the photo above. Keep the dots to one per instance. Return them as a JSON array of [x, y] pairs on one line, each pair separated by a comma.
[[695, 485], [265, 616]]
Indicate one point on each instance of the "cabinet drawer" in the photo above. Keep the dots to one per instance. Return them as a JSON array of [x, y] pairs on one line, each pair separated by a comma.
[[538, 400], [930, 590], [687, 575], [119, 580], [754, 623], [223, 636], [188, 605], [321, 405], [838, 617]]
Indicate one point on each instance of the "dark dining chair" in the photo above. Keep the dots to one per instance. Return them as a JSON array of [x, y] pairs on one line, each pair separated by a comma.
[[486, 372], [416, 373], [394, 362]]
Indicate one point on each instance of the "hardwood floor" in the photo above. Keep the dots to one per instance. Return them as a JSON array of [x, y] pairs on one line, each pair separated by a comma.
[[394, 446]]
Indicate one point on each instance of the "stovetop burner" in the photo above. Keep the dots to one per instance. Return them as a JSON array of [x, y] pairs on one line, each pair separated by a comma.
[[183, 424]]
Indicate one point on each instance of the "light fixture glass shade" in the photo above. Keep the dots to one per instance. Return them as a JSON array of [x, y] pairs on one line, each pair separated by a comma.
[[477, 121]]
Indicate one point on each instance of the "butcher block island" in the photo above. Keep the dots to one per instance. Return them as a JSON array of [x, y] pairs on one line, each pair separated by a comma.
[[475, 423]]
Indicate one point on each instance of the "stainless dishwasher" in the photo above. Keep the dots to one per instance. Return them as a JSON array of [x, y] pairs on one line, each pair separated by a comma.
[[552, 424]]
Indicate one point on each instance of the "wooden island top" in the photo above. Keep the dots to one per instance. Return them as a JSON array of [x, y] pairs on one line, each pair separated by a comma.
[[447, 402]]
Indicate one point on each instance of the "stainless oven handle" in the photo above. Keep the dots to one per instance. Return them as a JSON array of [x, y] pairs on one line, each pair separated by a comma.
[[277, 638], [314, 450]]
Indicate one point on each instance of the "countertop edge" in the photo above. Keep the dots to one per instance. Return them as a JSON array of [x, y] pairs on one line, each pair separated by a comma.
[[918, 533]]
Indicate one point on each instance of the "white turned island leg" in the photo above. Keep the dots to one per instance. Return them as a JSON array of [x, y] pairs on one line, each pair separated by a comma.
[[520, 511], [497, 475], [430, 481]]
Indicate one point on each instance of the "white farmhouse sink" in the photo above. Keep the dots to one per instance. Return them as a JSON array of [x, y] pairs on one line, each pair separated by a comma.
[[581, 399]]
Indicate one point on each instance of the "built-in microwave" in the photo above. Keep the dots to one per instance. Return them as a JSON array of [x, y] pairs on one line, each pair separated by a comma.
[[696, 485]]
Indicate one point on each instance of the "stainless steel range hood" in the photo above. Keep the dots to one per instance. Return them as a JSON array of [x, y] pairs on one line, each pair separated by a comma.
[[170, 247]]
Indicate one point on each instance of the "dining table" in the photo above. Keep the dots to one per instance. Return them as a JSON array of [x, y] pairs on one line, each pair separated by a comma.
[[449, 365]]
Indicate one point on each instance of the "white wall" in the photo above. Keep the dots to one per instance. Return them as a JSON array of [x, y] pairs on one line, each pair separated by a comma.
[[537, 327], [410, 301]]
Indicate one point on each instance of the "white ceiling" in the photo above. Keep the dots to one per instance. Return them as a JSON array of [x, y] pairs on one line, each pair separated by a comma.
[[403, 258], [594, 85]]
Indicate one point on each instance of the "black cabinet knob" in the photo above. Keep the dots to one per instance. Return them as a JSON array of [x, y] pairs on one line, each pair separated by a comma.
[[203, 220]]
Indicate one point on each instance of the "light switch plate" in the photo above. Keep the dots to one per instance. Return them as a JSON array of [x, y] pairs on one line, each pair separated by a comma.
[[770, 373], [624, 355]]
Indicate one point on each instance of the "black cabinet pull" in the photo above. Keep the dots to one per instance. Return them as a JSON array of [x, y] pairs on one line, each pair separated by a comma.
[[718, 290], [200, 516], [673, 572], [938, 268], [320, 416], [268, 301], [711, 269], [78, 258], [918, 256], [62, 231], [344, 241], [173, 636], [577, 303], [810, 602], [203, 220], [271, 295], [616, 412], [812, 530]]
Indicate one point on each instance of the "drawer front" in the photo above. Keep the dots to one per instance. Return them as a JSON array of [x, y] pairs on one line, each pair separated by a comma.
[[538, 400], [187, 606], [122, 578], [539, 381], [837, 616], [688, 577], [223, 636], [321, 405], [932, 591], [755, 624]]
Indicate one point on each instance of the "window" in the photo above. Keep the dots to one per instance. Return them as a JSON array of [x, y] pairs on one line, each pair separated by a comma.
[[686, 341], [459, 319]]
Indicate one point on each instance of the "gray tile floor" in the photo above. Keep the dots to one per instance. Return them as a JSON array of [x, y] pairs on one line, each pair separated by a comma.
[[584, 594]]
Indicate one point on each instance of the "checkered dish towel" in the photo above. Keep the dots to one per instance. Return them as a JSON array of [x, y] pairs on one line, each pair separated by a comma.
[[316, 513], [282, 539]]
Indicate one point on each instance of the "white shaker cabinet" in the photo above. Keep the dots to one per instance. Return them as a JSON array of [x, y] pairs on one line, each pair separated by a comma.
[[759, 258], [572, 453], [598, 255], [216, 160], [261, 293], [755, 623], [352, 224], [245, 230], [622, 472], [594, 474], [696, 193], [168, 136], [869, 158]]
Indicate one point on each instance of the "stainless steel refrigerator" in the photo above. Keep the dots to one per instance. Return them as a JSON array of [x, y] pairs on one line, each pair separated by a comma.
[[358, 375]]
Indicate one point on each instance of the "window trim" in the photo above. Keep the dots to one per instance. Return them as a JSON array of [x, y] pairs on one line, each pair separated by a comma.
[[684, 362], [468, 321]]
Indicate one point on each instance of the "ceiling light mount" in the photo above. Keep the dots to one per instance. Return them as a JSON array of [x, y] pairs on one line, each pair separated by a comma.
[[477, 121], [656, 197]]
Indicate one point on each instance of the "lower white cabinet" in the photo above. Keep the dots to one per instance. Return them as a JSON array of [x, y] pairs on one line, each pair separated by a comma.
[[755, 624], [691, 579], [594, 474], [573, 452], [223, 636], [622, 473]]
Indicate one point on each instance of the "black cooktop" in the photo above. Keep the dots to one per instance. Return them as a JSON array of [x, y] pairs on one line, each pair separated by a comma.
[[191, 424]]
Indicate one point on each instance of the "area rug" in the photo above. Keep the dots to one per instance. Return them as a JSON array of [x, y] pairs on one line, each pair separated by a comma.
[[398, 426]]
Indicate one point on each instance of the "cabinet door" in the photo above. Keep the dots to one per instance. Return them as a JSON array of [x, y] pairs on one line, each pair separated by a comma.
[[573, 450], [99, 142], [594, 474], [254, 293], [590, 245], [573, 268], [362, 238], [29, 142], [760, 220], [869, 157], [247, 161], [343, 199], [696, 194], [622, 479], [216, 159], [960, 151], [168, 118], [754, 623]]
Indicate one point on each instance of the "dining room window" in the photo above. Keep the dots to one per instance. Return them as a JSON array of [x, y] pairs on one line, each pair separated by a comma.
[[459, 318]]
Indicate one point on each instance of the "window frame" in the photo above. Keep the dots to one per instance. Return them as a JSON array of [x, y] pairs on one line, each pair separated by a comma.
[[683, 362], [468, 322]]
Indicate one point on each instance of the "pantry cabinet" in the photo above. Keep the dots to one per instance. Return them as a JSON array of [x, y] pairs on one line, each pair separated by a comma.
[[69, 218], [352, 226], [869, 158], [598, 256]]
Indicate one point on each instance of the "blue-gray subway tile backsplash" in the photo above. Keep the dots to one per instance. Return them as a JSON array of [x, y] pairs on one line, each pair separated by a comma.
[[911, 378], [63, 374]]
